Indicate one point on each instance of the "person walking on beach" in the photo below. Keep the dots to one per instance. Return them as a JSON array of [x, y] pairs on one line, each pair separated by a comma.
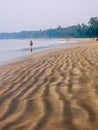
[[31, 45]]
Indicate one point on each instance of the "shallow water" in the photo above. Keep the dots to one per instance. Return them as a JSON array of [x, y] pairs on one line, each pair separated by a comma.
[[14, 48]]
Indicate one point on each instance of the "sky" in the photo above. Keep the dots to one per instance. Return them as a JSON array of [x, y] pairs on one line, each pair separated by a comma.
[[28, 15]]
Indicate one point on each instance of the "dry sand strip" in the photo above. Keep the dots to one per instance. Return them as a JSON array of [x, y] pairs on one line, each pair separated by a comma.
[[54, 90]]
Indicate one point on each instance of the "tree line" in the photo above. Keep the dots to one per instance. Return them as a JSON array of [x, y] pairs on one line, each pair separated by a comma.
[[76, 31]]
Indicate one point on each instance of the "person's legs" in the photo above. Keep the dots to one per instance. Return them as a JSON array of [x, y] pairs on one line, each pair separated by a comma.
[[31, 48]]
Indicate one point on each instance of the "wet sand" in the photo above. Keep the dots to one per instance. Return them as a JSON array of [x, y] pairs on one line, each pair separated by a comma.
[[54, 90]]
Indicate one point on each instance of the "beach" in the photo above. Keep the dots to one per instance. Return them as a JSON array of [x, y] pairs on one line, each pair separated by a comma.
[[56, 89]]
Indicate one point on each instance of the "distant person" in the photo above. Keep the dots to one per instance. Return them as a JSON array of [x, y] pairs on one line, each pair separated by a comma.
[[97, 39], [31, 45]]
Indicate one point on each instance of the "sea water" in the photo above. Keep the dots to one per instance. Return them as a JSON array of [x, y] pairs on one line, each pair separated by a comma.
[[16, 48]]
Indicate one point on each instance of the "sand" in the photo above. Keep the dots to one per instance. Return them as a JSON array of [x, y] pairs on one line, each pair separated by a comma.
[[53, 90]]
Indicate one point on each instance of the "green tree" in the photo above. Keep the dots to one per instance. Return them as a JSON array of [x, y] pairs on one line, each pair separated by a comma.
[[93, 21], [93, 27]]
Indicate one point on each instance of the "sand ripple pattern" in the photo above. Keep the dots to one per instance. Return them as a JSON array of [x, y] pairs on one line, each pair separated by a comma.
[[57, 90]]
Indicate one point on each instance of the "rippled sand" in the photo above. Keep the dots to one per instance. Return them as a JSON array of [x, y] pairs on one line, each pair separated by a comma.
[[57, 90]]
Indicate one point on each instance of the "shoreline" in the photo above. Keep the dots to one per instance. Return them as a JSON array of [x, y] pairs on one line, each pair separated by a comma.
[[22, 52], [71, 43], [51, 90]]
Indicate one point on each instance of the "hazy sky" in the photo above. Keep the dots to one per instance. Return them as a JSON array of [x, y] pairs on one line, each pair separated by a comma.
[[18, 15]]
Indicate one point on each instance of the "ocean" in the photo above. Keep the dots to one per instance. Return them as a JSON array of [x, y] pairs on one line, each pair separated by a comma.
[[11, 49]]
